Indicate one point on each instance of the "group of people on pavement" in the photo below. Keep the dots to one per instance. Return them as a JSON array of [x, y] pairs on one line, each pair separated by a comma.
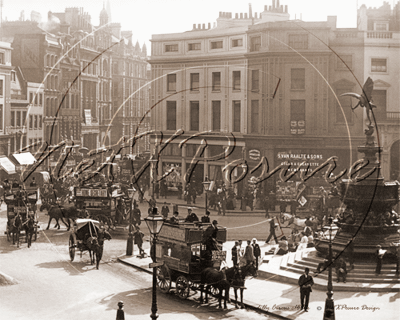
[[245, 256]]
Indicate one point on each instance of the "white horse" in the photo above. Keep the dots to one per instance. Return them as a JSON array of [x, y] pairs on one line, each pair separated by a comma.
[[293, 220]]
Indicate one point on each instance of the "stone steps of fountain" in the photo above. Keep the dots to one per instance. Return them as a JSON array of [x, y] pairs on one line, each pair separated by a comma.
[[362, 272]]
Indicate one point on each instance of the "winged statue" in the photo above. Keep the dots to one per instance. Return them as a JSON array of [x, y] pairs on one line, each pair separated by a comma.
[[364, 99]]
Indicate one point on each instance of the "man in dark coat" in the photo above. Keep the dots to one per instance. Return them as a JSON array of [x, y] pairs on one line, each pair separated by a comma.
[[235, 254], [206, 218], [272, 231], [165, 211], [210, 236], [257, 251], [191, 217], [305, 282], [174, 219], [341, 270], [379, 256]]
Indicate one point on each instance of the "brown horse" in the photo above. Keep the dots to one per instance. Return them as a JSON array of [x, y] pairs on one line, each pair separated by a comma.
[[67, 212], [216, 279], [237, 279], [14, 228]]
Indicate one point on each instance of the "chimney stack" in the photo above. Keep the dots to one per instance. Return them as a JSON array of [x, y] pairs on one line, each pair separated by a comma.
[[245, 15], [199, 26], [194, 26], [250, 11], [236, 15], [241, 15], [273, 4], [204, 26], [209, 25], [286, 8]]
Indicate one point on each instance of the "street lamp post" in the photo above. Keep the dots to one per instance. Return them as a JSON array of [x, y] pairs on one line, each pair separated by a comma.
[[329, 311], [153, 160], [206, 184], [154, 222], [129, 244]]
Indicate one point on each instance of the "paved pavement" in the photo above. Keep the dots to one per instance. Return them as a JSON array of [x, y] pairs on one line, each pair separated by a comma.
[[283, 299]]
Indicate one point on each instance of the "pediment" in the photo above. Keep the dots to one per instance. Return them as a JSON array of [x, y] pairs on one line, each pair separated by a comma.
[[344, 83], [380, 84]]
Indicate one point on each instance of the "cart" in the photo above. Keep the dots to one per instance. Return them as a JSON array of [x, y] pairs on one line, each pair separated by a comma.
[[83, 229], [22, 205], [181, 251]]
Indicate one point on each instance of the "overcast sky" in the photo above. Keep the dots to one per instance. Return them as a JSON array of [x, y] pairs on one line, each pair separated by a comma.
[[147, 17]]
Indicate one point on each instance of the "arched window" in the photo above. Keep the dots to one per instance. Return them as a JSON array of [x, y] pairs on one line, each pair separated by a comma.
[[52, 113], [48, 107]]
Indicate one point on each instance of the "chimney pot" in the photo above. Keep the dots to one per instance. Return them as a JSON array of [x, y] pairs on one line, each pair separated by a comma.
[[277, 3], [204, 25], [241, 15], [273, 4], [220, 14], [245, 15], [255, 15], [194, 26], [265, 8], [199, 26], [236, 16], [209, 25], [286, 8]]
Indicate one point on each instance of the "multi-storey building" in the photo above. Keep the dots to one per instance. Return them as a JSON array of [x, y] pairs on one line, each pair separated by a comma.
[[379, 35], [6, 133], [130, 90], [276, 85], [73, 59], [26, 121]]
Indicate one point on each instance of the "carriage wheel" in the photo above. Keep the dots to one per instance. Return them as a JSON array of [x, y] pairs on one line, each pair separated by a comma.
[[214, 292], [71, 247], [163, 278], [182, 287]]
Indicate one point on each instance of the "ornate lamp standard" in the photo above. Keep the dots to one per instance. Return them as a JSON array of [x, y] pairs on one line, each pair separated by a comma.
[[129, 244], [206, 185], [153, 160], [329, 311], [154, 222]]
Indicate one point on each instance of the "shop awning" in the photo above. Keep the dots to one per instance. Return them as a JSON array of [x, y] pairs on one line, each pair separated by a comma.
[[24, 158], [7, 165]]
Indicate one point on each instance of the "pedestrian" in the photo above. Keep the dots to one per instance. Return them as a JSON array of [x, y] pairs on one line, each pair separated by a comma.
[[350, 253], [303, 242], [323, 265], [174, 219], [283, 247], [120, 311], [165, 211], [191, 217], [305, 282], [235, 254], [379, 256], [206, 218], [397, 249], [341, 270], [249, 253], [256, 251], [272, 231], [136, 215], [164, 189], [138, 238]]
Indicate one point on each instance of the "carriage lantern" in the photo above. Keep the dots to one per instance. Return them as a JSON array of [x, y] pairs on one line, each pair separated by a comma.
[[154, 222]]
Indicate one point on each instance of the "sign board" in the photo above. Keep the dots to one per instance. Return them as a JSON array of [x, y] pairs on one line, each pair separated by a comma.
[[170, 232], [88, 117], [218, 255], [156, 264]]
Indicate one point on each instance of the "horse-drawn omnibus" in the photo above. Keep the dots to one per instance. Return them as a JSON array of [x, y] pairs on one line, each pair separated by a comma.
[[101, 203], [21, 202], [181, 249]]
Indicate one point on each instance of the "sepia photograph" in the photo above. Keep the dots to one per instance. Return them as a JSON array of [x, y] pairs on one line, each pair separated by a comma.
[[196, 160]]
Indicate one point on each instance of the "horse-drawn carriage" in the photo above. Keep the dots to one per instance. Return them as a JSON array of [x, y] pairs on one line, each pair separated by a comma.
[[87, 236], [181, 249], [108, 206], [21, 213]]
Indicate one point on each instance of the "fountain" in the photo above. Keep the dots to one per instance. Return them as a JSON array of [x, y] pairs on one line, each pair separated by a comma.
[[368, 203]]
